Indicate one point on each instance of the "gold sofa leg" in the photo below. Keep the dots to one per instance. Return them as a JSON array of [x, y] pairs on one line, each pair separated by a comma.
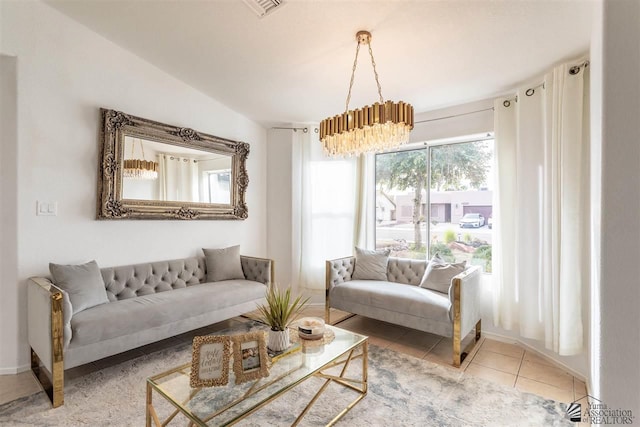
[[327, 288], [458, 354], [54, 387]]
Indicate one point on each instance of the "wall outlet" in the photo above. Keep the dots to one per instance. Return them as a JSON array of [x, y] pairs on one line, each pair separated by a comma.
[[47, 208]]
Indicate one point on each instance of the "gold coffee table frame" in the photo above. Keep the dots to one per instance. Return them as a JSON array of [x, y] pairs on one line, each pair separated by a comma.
[[286, 373]]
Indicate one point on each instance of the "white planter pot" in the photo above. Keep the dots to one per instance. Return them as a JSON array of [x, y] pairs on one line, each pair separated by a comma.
[[278, 340]]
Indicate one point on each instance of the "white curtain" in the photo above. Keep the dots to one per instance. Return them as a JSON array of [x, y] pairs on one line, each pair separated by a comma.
[[540, 216], [327, 206], [177, 178], [364, 225]]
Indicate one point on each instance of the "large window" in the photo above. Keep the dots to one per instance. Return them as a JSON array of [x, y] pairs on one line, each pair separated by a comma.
[[436, 199]]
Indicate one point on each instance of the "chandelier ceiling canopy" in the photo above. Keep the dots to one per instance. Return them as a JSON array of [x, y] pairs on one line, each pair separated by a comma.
[[379, 127]]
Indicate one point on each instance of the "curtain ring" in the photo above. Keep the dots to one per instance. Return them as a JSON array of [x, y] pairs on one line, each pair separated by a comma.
[[507, 103], [530, 92], [574, 70]]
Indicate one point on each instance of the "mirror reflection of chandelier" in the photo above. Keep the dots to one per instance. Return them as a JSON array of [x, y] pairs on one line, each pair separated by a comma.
[[139, 168]]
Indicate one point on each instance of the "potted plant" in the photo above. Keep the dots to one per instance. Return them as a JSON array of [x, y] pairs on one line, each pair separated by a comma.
[[278, 312]]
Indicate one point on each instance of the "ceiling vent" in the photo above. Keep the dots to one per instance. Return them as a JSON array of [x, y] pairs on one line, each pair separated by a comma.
[[263, 7]]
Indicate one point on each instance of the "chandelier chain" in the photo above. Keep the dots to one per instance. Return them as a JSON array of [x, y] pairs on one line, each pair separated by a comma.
[[133, 147], [375, 73], [353, 74]]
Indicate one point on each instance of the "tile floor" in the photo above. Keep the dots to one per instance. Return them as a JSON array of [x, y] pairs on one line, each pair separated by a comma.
[[496, 361]]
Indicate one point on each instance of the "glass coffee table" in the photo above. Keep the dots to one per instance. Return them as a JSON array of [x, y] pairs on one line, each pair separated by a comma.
[[228, 404]]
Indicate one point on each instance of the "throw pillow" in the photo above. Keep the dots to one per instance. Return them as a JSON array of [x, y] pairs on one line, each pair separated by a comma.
[[371, 265], [83, 283], [439, 273], [223, 264]]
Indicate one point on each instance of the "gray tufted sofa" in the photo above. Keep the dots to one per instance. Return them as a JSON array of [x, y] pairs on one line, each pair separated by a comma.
[[400, 300], [147, 303]]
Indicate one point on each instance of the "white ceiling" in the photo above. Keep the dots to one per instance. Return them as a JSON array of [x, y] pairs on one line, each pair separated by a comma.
[[294, 64]]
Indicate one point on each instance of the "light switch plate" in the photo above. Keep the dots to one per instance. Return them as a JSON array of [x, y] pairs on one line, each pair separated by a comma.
[[46, 208]]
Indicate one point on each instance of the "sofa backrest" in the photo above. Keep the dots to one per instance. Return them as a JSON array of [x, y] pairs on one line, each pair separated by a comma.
[[399, 270], [405, 270], [130, 281]]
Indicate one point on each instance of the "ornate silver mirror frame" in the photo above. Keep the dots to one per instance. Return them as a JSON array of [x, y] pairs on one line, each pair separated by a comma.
[[111, 205]]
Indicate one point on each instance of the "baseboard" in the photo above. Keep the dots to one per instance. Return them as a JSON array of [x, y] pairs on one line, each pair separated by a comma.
[[14, 370], [511, 340]]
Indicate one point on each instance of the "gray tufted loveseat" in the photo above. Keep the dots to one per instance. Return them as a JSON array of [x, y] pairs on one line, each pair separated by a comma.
[[147, 303], [400, 300]]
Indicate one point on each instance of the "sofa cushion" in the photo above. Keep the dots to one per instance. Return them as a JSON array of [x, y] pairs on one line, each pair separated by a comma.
[[371, 265], [439, 273], [132, 315], [83, 283], [396, 297], [223, 264]]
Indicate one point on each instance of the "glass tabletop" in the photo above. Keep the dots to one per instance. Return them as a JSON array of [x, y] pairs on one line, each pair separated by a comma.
[[222, 405]]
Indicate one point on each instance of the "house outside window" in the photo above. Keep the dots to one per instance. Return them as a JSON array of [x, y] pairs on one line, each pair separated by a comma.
[[437, 199]]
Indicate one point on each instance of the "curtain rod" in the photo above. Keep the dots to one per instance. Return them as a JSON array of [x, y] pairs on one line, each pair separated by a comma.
[[304, 130], [455, 115], [529, 92]]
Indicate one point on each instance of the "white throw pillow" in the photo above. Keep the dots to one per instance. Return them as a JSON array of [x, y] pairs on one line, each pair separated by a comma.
[[371, 265], [223, 264], [83, 283], [439, 273]]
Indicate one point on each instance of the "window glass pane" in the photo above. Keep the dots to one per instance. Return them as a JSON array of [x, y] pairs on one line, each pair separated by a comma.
[[461, 200], [401, 183], [219, 187]]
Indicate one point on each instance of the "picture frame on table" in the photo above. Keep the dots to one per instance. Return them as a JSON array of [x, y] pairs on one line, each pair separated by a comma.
[[210, 361], [250, 359]]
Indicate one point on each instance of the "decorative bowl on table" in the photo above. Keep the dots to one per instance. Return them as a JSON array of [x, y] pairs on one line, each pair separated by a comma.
[[310, 328]]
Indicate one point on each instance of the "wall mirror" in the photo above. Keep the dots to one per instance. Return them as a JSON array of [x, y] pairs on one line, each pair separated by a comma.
[[150, 170]]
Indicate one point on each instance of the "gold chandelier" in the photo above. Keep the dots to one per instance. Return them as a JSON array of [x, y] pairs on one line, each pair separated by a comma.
[[379, 127], [139, 168]]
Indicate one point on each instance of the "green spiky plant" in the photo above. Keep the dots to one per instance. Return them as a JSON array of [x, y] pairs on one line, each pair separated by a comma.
[[279, 310]]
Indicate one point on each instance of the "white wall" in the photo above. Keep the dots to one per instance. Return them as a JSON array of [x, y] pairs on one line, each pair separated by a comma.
[[616, 349], [65, 74], [468, 119]]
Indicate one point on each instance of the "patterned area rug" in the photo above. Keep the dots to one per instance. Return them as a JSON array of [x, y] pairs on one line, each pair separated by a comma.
[[403, 391]]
